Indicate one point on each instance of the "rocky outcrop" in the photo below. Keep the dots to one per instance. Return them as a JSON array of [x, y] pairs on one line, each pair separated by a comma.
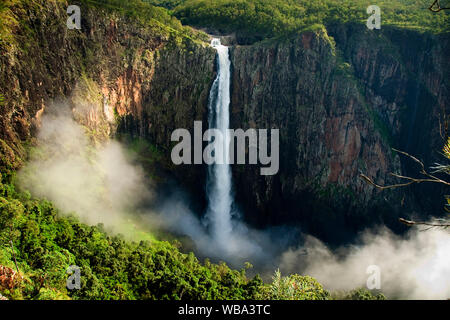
[[405, 76], [177, 95], [340, 108], [120, 75]]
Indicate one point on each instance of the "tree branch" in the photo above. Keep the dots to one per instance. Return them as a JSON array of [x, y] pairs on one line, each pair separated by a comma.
[[410, 223], [430, 177], [438, 6]]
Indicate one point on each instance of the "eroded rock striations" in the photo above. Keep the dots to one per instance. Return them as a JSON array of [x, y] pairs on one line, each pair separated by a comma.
[[341, 104], [120, 76]]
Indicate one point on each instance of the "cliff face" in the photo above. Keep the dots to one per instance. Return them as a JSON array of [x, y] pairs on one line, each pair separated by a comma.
[[340, 105], [326, 134], [405, 77], [177, 95], [118, 74]]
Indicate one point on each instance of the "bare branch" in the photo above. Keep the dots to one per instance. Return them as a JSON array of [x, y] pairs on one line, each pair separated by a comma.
[[410, 223], [407, 222], [412, 157], [14, 255], [415, 180], [370, 181], [431, 178], [436, 6], [423, 171]]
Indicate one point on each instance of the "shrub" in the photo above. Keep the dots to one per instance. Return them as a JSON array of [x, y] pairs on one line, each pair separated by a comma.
[[295, 287]]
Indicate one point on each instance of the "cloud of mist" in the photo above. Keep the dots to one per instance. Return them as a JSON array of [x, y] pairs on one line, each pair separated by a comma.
[[99, 184], [243, 245], [413, 267]]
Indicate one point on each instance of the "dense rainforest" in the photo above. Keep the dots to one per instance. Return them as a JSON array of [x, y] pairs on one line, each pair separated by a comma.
[[122, 63], [261, 19]]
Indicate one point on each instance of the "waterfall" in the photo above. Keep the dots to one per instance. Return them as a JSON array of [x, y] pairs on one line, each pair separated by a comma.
[[219, 186]]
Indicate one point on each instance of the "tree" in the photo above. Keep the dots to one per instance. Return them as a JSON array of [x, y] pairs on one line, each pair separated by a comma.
[[294, 287]]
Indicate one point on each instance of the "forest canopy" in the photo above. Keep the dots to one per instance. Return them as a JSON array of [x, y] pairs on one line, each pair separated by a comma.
[[268, 18]]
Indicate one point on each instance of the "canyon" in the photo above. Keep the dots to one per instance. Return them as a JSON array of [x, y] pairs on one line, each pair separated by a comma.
[[341, 95]]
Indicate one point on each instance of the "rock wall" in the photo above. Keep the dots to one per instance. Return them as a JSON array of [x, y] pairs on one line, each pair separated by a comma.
[[120, 76], [341, 104]]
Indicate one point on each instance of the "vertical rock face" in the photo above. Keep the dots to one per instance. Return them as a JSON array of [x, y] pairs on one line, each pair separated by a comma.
[[405, 77], [339, 109], [176, 96], [118, 74]]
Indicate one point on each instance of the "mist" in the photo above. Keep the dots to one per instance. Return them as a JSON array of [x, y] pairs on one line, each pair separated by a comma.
[[414, 266], [97, 183], [100, 184], [244, 244]]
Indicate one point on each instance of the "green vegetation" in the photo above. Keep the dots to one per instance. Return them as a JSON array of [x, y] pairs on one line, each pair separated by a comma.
[[252, 20], [259, 19], [359, 294], [154, 17], [46, 244], [294, 287]]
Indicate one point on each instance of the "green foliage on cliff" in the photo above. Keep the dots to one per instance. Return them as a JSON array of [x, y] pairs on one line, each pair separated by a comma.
[[259, 19], [157, 19], [154, 16], [137, 9]]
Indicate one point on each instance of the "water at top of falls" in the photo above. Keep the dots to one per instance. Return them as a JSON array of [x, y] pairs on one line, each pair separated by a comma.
[[215, 42], [219, 185]]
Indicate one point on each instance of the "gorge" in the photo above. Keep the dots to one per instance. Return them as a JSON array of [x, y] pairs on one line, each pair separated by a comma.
[[342, 97]]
